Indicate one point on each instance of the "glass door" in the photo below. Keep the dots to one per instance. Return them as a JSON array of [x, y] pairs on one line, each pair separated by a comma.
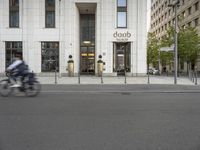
[[87, 61], [121, 58], [87, 45]]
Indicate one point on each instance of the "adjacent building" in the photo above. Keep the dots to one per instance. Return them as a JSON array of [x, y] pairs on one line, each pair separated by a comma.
[[163, 16], [46, 32]]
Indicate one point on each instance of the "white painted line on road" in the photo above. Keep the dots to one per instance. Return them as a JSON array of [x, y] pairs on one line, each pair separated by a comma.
[[81, 92]]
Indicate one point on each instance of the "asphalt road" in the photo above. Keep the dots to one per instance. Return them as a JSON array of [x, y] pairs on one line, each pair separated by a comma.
[[102, 118]]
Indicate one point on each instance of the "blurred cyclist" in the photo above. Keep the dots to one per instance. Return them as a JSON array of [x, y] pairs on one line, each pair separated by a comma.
[[19, 69]]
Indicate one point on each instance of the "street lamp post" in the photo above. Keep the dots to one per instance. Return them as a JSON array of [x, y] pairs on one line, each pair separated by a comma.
[[175, 4]]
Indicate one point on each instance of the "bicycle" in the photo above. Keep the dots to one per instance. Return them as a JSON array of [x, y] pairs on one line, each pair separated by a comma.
[[29, 85]]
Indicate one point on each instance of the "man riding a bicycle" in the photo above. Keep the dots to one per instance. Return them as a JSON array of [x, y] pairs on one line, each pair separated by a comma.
[[19, 69]]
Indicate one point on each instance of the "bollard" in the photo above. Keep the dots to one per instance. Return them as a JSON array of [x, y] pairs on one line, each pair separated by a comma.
[[101, 78], [148, 78], [70, 67], [55, 76], [189, 75], [196, 76], [79, 78], [125, 76], [193, 76]]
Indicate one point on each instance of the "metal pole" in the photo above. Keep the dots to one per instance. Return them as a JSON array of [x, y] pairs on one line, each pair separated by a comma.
[[79, 78], [193, 76], [176, 47], [159, 64], [148, 75], [56, 76], [196, 76], [125, 76]]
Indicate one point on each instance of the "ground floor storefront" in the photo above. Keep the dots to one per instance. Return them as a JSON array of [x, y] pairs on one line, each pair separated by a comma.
[[51, 58]]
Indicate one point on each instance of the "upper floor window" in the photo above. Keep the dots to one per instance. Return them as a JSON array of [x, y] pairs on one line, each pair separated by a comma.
[[14, 13], [196, 6], [196, 22], [169, 12], [50, 13], [183, 27], [122, 13], [166, 4], [189, 24], [183, 14], [189, 11]]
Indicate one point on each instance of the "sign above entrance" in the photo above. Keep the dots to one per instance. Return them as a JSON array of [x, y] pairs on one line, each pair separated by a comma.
[[122, 36]]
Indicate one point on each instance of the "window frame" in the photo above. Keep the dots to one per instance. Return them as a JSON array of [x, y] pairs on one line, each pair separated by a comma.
[[50, 9], [125, 8], [13, 48], [14, 9], [196, 5], [49, 45]]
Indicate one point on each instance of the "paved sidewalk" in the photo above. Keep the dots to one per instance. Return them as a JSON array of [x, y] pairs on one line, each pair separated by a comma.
[[115, 80]]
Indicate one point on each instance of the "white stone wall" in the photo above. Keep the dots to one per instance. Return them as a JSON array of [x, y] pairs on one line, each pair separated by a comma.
[[32, 32]]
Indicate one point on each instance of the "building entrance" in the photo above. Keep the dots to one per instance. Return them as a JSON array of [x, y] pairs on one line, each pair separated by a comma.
[[122, 58], [87, 42], [87, 60]]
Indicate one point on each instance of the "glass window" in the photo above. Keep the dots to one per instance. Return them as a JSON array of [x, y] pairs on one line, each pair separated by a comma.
[[50, 14], [14, 2], [50, 19], [189, 11], [50, 56], [196, 22], [11, 49], [14, 19], [121, 19], [121, 3], [196, 6], [121, 13], [50, 3], [14, 13]]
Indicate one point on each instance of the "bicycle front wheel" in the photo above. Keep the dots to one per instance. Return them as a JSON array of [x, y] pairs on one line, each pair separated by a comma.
[[5, 89]]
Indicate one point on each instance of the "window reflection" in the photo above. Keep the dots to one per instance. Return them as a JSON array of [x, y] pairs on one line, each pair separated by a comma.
[[121, 13], [14, 13], [121, 3], [121, 19], [50, 14], [50, 56], [11, 49]]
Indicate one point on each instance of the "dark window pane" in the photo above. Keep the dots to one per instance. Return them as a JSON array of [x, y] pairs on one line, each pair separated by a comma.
[[50, 3], [121, 22], [11, 49], [14, 13], [121, 3], [14, 3], [50, 19], [121, 9], [14, 19], [50, 56]]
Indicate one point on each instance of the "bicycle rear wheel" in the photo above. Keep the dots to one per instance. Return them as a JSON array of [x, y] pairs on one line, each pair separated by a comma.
[[32, 89], [5, 89]]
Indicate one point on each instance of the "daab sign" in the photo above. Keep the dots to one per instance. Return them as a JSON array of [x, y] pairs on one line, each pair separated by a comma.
[[122, 36]]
